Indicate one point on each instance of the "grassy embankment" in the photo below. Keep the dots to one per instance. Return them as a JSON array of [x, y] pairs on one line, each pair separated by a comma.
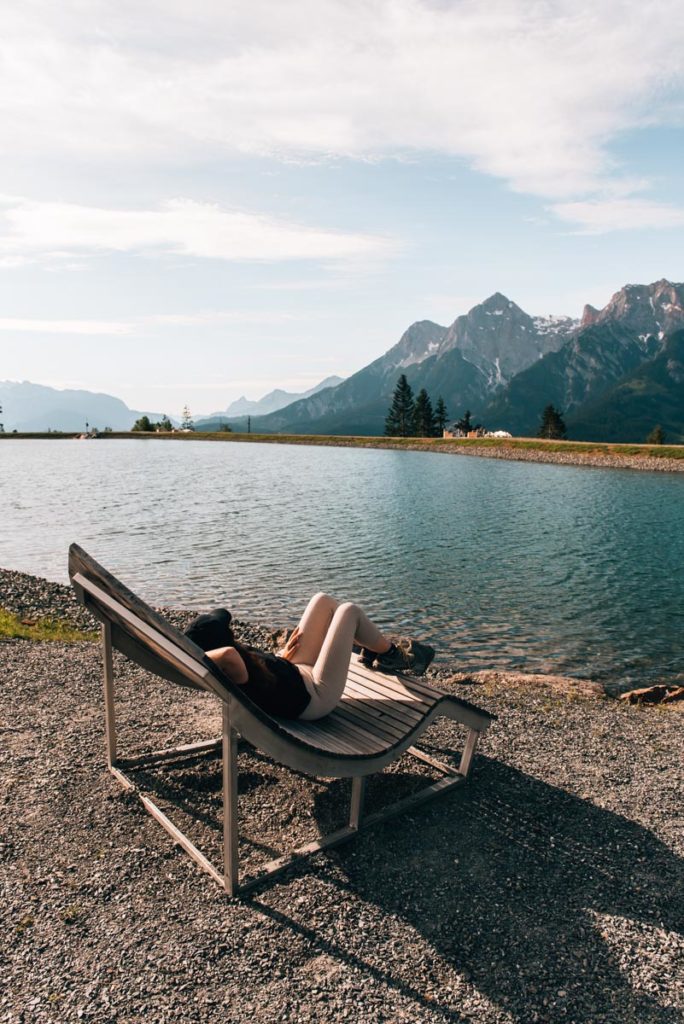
[[14, 628], [411, 443]]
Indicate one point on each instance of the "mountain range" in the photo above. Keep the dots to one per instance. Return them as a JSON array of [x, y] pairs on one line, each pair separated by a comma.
[[28, 407], [613, 374], [35, 407], [272, 402]]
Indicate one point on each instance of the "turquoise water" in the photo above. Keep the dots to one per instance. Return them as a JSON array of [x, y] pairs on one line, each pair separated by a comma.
[[501, 564]]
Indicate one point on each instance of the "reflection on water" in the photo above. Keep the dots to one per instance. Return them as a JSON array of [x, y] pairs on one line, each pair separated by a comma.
[[501, 564]]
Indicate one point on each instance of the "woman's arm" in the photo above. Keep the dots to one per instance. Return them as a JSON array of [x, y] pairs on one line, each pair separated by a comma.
[[290, 648], [231, 664]]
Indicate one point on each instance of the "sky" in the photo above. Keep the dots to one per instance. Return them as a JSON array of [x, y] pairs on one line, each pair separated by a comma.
[[202, 201]]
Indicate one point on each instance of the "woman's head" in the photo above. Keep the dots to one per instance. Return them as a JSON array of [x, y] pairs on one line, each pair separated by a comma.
[[212, 630]]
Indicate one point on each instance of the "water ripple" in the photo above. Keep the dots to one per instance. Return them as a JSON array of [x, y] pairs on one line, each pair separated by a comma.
[[544, 568]]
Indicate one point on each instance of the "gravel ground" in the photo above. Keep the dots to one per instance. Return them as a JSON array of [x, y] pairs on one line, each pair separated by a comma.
[[548, 889]]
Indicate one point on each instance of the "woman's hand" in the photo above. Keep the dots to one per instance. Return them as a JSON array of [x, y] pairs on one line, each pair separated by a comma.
[[290, 649], [231, 664]]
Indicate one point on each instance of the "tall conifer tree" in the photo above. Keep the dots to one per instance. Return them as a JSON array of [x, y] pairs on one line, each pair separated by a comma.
[[441, 416], [552, 425], [399, 422], [423, 416]]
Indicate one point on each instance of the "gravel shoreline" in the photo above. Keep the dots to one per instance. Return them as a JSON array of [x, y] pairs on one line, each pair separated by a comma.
[[549, 889], [510, 453]]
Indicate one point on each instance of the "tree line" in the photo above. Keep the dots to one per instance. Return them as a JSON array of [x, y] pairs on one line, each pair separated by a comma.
[[409, 417]]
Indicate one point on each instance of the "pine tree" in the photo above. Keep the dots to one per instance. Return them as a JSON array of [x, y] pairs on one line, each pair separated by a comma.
[[186, 422], [657, 436], [441, 416], [552, 425], [143, 425], [399, 422], [465, 424], [423, 416]]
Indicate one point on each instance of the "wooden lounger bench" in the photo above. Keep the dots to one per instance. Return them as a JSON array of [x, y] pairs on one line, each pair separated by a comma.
[[379, 717]]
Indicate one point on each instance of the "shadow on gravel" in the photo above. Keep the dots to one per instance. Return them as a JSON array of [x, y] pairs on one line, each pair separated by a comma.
[[544, 902]]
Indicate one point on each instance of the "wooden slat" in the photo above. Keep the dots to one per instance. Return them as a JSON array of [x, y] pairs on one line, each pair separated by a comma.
[[411, 683], [393, 719], [381, 691], [364, 734], [383, 727], [360, 742], [386, 705], [357, 732], [395, 688], [312, 732]]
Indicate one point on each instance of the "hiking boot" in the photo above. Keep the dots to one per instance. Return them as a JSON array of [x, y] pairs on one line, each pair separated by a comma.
[[422, 655], [397, 659], [406, 655], [367, 657]]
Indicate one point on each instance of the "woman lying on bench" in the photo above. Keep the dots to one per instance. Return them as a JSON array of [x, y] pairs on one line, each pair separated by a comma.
[[307, 677]]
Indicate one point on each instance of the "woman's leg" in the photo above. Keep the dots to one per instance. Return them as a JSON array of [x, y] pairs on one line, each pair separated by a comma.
[[325, 678], [313, 628]]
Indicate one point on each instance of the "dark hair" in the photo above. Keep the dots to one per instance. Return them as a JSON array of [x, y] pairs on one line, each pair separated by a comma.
[[212, 630]]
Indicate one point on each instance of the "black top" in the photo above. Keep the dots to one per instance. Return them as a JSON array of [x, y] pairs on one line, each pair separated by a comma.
[[273, 683]]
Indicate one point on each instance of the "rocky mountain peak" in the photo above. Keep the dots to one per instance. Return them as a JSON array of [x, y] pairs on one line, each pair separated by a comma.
[[645, 309], [420, 340], [501, 339], [590, 315], [498, 303]]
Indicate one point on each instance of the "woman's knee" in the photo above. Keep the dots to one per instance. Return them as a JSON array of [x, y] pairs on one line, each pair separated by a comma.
[[347, 610]]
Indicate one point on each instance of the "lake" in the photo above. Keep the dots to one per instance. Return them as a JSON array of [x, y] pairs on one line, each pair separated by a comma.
[[537, 567]]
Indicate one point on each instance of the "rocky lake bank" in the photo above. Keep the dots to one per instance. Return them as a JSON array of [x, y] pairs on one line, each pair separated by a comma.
[[600, 455], [549, 889]]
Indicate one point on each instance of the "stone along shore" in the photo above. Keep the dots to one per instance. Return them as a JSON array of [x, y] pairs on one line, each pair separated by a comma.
[[549, 889]]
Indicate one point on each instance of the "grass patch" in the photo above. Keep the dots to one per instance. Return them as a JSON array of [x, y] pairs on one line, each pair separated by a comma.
[[657, 451], [12, 627], [646, 451]]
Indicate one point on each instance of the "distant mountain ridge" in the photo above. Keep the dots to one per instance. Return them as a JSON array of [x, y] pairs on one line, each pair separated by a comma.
[[464, 363], [614, 375], [505, 365], [271, 402], [36, 407], [609, 346]]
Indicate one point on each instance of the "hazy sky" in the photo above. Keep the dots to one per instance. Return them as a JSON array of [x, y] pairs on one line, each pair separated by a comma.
[[203, 200]]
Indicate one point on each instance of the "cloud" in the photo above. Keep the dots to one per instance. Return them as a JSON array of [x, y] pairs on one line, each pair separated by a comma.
[[38, 326], [213, 318], [530, 93], [210, 319], [180, 227], [596, 217]]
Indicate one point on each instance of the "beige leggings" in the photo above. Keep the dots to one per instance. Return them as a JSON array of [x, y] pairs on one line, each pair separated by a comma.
[[328, 629]]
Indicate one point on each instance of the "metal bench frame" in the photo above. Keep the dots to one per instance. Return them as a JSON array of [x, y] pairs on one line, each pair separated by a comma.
[[286, 742]]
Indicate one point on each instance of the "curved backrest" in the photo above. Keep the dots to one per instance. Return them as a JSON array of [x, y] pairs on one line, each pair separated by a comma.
[[124, 637], [150, 640], [146, 637]]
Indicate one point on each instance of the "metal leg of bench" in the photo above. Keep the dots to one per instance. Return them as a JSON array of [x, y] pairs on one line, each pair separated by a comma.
[[468, 752], [231, 867], [229, 879], [110, 716], [357, 798]]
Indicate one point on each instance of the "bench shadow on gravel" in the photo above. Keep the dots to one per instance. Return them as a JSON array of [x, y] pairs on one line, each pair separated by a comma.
[[513, 884]]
